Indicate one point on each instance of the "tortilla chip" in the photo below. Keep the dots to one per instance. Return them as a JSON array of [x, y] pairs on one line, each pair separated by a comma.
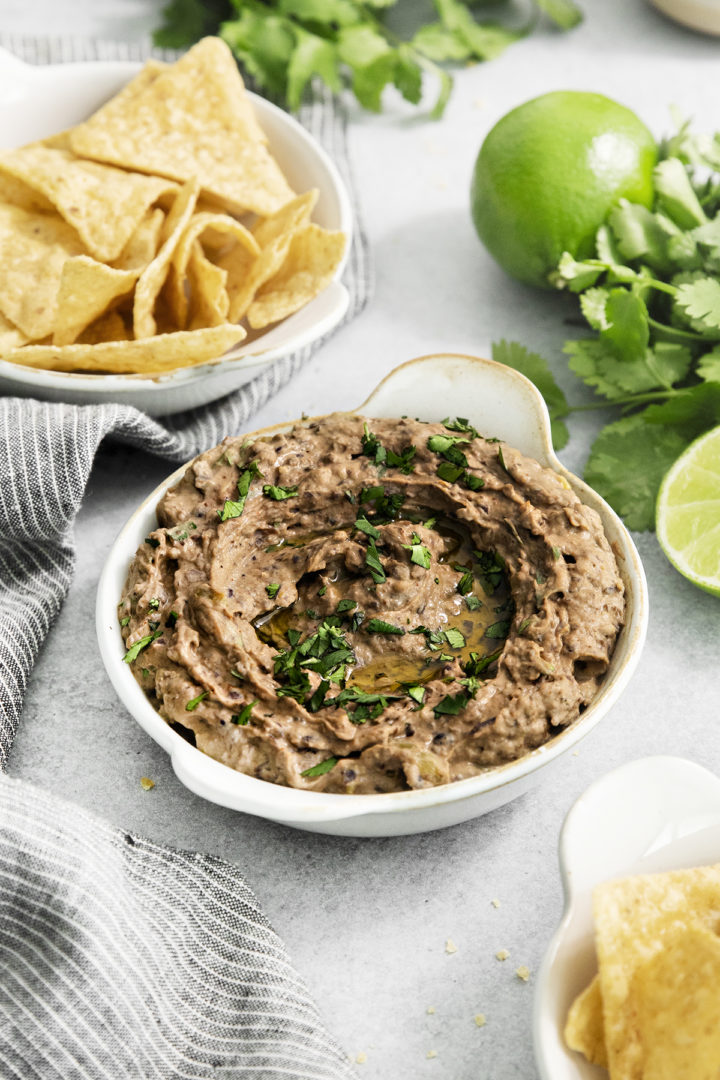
[[87, 289], [33, 251], [675, 1002], [164, 352], [584, 1029], [10, 336], [142, 247], [109, 327], [246, 273], [633, 919], [105, 205], [313, 256], [193, 119], [210, 301], [153, 277], [218, 231]]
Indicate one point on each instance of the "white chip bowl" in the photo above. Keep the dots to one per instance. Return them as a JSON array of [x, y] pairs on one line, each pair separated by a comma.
[[38, 101], [651, 815], [499, 402]]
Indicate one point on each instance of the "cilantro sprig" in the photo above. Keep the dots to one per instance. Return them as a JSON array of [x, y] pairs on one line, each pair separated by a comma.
[[284, 45], [651, 298]]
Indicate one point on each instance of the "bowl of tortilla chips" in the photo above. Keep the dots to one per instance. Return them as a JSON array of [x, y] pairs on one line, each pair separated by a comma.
[[629, 986], [165, 234]]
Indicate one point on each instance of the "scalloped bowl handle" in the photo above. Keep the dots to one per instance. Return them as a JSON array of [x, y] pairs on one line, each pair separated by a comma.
[[502, 402]]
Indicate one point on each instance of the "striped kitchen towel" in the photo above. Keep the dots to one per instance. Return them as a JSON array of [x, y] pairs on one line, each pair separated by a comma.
[[120, 958]]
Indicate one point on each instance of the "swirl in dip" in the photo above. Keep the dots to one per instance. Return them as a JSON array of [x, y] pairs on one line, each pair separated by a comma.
[[365, 606]]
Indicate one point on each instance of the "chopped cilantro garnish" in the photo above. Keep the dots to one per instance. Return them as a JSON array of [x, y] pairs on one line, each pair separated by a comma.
[[475, 665], [473, 602], [172, 619], [373, 448], [491, 567], [141, 644], [364, 526], [326, 652], [379, 626], [419, 554], [345, 605], [452, 704], [385, 507], [447, 471], [234, 507], [454, 638], [349, 496], [193, 704], [321, 768], [498, 629], [501, 459], [235, 673], [244, 715], [455, 465], [404, 460], [465, 583], [368, 706], [278, 493], [460, 424], [125, 620], [272, 589], [447, 444], [524, 625], [372, 561], [152, 541], [180, 532], [154, 603], [417, 693], [556, 553], [322, 590]]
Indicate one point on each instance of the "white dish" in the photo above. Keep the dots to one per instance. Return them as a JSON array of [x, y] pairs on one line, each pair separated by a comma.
[[703, 15], [651, 815], [499, 402], [38, 101]]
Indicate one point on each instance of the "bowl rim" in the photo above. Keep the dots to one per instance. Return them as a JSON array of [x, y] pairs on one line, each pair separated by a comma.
[[294, 805], [184, 376]]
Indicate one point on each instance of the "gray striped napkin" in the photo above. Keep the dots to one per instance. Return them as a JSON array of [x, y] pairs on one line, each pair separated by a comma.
[[119, 957]]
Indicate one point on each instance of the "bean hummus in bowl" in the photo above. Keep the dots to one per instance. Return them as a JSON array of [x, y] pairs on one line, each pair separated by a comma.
[[365, 606]]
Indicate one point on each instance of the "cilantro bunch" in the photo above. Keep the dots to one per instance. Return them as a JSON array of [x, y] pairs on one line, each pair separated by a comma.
[[651, 295], [285, 43]]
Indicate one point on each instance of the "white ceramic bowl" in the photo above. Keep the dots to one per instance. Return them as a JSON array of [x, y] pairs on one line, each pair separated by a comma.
[[703, 15], [38, 101], [499, 402], [651, 815]]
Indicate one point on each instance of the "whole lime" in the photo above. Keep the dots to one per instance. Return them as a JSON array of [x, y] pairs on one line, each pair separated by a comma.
[[548, 173]]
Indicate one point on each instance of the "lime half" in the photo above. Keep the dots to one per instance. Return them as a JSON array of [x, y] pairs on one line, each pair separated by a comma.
[[688, 513]]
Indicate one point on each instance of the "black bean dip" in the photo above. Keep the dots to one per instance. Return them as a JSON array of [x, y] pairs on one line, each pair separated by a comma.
[[364, 606]]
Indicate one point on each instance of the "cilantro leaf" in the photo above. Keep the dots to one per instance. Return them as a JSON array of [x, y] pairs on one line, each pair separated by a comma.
[[277, 492], [700, 301], [243, 717], [272, 589], [365, 526], [627, 463], [419, 554], [379, 626], [534, 368], [141, 644], [321, 768], [193, 704], [675, 194]]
